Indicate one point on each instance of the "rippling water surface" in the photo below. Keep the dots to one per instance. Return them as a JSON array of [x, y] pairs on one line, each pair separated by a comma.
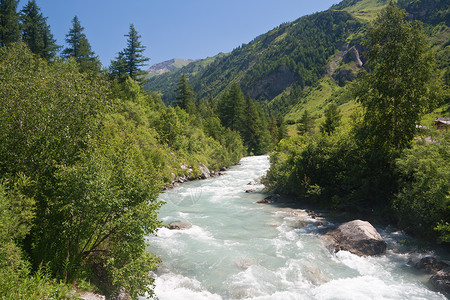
[[238, 249]]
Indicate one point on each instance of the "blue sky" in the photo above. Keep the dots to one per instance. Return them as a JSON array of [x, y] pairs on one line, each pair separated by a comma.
[[173, 28]]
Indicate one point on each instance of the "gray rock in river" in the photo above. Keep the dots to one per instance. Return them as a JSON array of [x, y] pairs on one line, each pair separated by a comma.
[[179, 225], [441, 280], [358, 237], [440, 271], [430, 265]]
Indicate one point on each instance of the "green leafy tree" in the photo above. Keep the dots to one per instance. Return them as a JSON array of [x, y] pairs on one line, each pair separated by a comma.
[[395, 90], [332, 119], [423, 199], [36, 33], [80, 49], [185, 98], [129, 61], [9, 22]]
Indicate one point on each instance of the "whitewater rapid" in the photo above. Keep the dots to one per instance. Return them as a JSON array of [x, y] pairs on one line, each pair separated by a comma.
[[239, 249]]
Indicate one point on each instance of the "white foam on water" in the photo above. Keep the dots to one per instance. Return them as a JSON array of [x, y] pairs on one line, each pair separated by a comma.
[[365, 265], [195, 232], [371, 288], [178, 287]]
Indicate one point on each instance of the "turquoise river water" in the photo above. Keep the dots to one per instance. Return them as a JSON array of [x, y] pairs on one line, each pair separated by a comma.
[[238, 249]]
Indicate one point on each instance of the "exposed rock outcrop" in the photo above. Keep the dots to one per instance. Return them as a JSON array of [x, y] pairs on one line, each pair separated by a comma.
[[358, 237]]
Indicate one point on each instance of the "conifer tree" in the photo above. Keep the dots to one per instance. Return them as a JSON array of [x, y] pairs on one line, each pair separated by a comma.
[[80, 49], [9, 22], [36, 33], [185, 95], [332, 119], [129, 61], [254, 131], [231, 108], [306, 124]]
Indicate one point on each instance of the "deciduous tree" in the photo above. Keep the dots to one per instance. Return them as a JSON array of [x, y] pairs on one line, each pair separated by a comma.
[[395, 89]]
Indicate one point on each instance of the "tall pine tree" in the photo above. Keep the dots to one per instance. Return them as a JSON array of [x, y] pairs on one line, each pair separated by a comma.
[[80, 49], [9, 22], [129, 61], [36, 33], [185, 98], [230, 108]]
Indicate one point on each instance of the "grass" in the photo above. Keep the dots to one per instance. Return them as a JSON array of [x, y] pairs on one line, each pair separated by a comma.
[[366, 10]]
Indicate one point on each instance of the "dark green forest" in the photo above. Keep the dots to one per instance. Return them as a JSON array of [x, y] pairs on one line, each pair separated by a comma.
[[85, 150]]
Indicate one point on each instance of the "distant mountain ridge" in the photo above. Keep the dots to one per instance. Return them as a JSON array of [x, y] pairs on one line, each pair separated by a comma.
[[168, 65]]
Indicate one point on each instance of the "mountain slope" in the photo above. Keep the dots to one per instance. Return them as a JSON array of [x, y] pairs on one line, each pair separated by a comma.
[[279, 67], [293, 55]]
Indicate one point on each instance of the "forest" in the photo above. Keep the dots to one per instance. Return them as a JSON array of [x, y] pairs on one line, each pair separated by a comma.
[[86, 150]]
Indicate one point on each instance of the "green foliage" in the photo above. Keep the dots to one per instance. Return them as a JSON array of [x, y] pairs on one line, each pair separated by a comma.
[[246, 117], [255, 133], [36, 33], [47, 112], [423, 198], [230, 108], [80, 49], [92, 172], [185, 98], [332, 119], [9, 22], [306, 123], [16, 210]]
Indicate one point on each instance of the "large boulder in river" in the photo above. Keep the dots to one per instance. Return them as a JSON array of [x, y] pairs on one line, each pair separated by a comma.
[[179, 225], [358, 237]]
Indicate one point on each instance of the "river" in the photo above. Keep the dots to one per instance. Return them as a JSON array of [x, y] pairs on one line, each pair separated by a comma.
[[238, 249]]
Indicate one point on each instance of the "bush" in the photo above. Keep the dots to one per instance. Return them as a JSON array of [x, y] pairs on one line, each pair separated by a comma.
[[423, 200]]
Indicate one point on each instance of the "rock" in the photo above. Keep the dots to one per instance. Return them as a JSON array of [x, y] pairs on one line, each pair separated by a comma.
[[441, 280], [274, 197], [120, 295], [430, 265], [358, 237], [91, 296], [179, 225], [250, 191], [205, 173], [263, 201], [223, 169]]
